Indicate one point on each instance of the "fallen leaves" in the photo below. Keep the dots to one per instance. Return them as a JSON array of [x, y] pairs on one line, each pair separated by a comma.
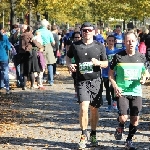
[[45, 118]]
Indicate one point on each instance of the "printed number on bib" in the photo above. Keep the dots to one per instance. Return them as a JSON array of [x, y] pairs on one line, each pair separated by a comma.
[[86, 67], [119, 41], [118, 45], [131, 74]]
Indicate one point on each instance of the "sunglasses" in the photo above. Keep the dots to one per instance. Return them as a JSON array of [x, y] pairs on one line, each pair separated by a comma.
[[87, 30]]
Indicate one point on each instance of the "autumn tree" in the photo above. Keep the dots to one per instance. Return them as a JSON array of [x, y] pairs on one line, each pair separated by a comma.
[[73, 11]]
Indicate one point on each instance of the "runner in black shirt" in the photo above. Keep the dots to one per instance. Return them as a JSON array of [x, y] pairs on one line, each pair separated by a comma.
[[90, 57]]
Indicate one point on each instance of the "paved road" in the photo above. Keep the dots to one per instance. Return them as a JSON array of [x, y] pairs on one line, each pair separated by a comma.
[[48, 120]]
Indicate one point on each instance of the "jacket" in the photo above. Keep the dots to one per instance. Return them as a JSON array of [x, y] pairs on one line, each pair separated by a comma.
[[26, 43], [41, 59], [4, 47], [49, 54], [142, 48]]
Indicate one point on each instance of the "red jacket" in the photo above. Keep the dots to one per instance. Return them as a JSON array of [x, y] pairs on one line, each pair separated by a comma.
[[142, 48]]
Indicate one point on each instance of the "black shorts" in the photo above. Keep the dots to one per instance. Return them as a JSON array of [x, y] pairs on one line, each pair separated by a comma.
[[90, 91], [132, 104]]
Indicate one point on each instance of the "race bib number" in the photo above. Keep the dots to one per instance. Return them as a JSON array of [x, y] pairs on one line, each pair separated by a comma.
[[110, 57], [119, 41], [119, 45], [131, 74], [86, 67]]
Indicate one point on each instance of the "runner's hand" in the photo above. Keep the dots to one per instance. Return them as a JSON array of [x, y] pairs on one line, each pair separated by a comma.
[[117, 91], [143, 80], [95, 62], [144, 77], [72, 67]]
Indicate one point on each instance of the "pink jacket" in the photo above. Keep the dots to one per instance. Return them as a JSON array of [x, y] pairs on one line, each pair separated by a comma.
[[142, 48]]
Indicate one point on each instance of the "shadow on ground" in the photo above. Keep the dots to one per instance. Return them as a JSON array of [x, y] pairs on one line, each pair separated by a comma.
[[29, 107], [55, 145], [59, 107]]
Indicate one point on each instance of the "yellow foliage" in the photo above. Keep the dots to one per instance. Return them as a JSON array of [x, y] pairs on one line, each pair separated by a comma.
[[73, 11]]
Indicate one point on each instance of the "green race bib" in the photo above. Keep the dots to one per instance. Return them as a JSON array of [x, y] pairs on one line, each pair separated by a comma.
[[118, 45], [128, 78], [86, 67]]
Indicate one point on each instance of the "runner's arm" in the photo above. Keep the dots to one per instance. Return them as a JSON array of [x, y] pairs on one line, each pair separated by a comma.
[[102, 64], [145, 73], [71, 67], [69, 54], [111, 72], [112, 78], [68, 61], [117, 90]]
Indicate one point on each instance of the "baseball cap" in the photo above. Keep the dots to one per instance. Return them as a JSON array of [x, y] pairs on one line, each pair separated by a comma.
[[87, 24]]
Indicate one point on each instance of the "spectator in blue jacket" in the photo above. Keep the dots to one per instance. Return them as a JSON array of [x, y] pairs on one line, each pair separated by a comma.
[[4, 68], [98, 37]]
